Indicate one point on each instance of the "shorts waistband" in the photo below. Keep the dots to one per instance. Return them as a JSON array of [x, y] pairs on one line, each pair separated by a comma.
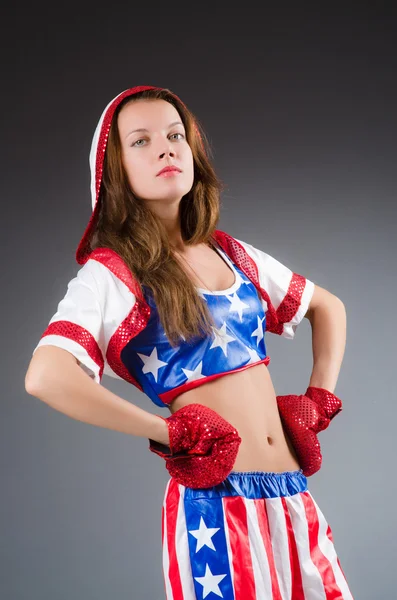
[[254, 485]]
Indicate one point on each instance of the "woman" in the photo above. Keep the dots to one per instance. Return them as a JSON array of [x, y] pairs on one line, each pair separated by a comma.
[[179, 309]]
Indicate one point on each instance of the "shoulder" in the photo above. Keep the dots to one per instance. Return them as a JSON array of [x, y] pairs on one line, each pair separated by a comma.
[[225, 238], [236, 246], [261, 258], [106, 272]]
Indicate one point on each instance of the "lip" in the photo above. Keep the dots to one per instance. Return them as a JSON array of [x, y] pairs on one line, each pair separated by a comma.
[[169, 169]]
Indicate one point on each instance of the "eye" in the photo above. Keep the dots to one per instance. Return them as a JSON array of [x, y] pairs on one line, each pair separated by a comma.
[[177, 134], [142, 140]]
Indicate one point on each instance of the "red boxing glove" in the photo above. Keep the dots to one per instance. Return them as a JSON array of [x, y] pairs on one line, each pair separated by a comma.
[[203, 446], [303, 417], [330, 404]]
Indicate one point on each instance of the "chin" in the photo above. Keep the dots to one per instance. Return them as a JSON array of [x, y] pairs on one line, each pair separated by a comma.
[[177, 191]]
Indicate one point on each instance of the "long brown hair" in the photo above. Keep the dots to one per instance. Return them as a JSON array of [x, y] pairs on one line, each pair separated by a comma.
[[136, 234]]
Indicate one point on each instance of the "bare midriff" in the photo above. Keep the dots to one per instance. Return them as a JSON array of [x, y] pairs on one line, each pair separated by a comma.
[[247, 400]]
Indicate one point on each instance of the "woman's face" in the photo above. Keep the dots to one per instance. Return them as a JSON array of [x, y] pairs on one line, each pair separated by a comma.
[[160, 142]]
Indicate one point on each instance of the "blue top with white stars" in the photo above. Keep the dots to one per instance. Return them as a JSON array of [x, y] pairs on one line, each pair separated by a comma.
[[237, 342]]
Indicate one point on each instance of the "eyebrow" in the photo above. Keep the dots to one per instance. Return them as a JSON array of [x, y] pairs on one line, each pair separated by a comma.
[[143, 129]]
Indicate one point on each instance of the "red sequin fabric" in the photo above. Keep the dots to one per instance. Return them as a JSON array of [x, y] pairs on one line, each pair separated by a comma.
[[83, 250], [290, 304], [325, 400], [81, 336], [303, 417], [134, 322], [203, 446]]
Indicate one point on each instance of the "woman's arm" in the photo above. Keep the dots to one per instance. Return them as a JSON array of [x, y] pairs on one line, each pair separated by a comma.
[[55, 378], [327, 316]]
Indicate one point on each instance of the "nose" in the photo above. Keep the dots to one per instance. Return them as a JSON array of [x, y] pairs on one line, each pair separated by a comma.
[[167, 148], [168, 152]]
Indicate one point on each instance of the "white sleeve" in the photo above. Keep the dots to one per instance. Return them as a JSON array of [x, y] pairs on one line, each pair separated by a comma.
[[94, 305], [289, 293]]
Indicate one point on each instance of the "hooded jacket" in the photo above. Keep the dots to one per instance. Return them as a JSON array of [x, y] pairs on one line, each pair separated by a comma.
[[111, 326]]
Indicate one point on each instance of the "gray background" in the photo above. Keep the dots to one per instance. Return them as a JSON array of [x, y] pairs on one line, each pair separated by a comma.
[[299, 106]]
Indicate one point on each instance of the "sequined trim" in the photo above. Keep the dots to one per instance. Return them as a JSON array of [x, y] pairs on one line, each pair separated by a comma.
[[83, 250], [81, 336], [288, 308], [134, 322]]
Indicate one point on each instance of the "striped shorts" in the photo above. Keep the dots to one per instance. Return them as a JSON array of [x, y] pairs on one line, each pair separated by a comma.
[[257, 535]]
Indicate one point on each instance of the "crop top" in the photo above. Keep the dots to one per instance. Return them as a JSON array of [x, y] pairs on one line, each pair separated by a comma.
[[106, 322]]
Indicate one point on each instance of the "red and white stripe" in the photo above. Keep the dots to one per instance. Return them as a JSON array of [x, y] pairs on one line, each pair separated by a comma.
[[176, 561], [278, 549]]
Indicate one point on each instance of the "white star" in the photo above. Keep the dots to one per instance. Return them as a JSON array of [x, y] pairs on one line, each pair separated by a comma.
[[254, 356], [210, 582], [151, 363], [196, 374], [237, 305], [242, 279], [258, 331], [222, 339], [264, 305], [204, 534]]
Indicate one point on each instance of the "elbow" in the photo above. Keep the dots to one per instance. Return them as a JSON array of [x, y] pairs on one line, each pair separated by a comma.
[[338, 302], [32, 382], [335, 304], [337, 299], [32, 389], [33, 375], [48, 366]]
